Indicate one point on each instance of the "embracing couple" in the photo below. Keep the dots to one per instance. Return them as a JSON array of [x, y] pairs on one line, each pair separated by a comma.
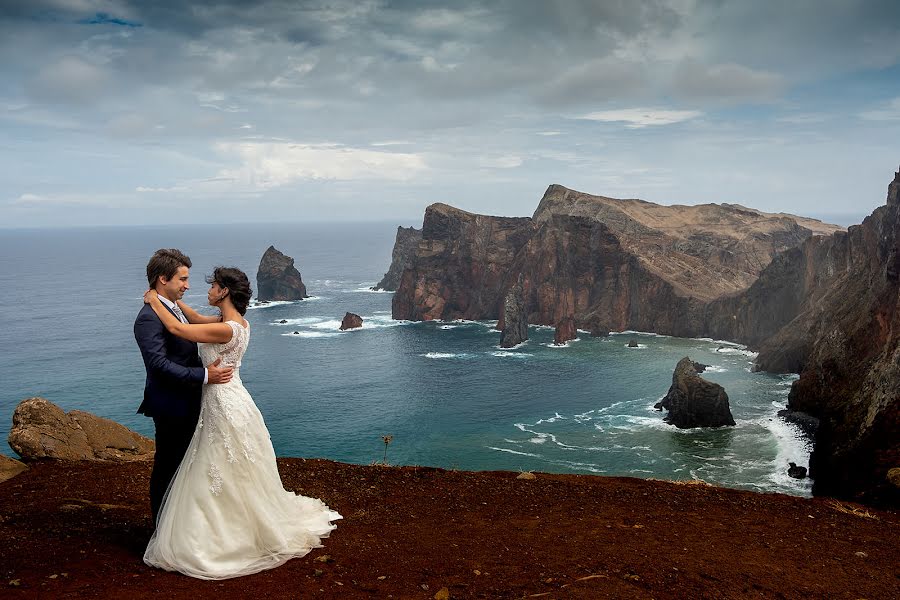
[[216, 497]]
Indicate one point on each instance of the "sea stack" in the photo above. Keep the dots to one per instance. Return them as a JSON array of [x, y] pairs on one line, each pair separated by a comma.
[[277, 279], [515, 318], [351, 321], [693, 401], [405, 245], [565, 331]]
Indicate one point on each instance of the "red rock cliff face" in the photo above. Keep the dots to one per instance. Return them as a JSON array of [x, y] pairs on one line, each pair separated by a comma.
[[612, 264], [460, 265], [845, 343]]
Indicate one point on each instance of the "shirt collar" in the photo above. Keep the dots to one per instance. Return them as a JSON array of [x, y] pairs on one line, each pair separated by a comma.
[[166, 301]]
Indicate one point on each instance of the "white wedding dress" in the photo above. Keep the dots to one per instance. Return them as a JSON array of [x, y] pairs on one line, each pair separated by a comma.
[[226, 513]]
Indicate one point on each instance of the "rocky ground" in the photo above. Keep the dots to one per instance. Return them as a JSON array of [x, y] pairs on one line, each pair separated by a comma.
[[78, 530]]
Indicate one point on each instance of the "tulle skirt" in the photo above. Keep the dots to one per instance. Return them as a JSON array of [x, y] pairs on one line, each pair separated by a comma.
[[226, 513]]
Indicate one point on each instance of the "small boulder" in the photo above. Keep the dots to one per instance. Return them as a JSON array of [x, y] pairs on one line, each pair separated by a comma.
[[699, 367], [632, 343], [695, 402], [41, 429], [283, 321], [893, 477], [351, 321], [795, 471], [10, 467]]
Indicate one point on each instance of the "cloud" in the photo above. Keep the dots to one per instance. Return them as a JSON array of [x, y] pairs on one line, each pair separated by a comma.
[[70, 79], [724, 81], [501, 162], [889, 111], [642, 117], [29, 200], [266, 165]]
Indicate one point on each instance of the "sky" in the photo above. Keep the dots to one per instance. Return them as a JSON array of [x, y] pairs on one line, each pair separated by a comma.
[[119, 112]]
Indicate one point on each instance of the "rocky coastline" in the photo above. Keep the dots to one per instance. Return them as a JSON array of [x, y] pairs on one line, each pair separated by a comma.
[[812, 298]]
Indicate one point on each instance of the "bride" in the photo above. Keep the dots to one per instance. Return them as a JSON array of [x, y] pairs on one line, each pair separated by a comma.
[[226, 513]]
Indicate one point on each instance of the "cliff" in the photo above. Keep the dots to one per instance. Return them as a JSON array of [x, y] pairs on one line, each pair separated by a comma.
[[845, 342], [609, 264], [811, 297], [405, 245]]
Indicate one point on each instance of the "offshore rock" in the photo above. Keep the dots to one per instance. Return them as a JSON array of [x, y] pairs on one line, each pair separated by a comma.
[[514, 322], [565, 331], [405, 246], [845, 342], [694, 402], [351, 321], [795, 471], [277, 279], [42, 430]]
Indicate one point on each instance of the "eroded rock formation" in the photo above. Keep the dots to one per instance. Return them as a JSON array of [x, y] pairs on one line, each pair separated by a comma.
[[513, 323], [277, 279], [693, 401], [810, 297], [625, 264], [351, 321], [41, 430], [845, 342], [405, 246]]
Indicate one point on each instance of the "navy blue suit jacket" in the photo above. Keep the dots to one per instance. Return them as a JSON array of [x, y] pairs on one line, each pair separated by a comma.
[[174, 371]]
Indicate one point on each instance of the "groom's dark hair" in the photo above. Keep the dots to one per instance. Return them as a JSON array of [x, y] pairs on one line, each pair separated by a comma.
[[165, 263]]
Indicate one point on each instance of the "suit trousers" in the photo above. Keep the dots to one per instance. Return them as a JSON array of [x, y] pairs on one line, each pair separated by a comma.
[[173, 436]]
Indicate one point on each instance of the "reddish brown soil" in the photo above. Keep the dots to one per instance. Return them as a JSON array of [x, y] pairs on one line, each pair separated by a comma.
[[77, 530]]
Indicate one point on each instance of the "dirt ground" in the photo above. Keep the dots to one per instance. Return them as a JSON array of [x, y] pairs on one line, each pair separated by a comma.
[[78, 530]]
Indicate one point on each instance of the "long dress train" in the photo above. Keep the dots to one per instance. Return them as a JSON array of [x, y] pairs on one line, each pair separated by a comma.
[[226, 512]]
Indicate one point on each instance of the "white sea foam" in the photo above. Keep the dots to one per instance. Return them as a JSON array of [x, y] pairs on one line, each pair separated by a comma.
[[514, 452], [556, 417], [448, 326], [312, 334], [716, 369], [638, 347], [647, 333], [302, 321], [516, 347], [566, 344], [736, 351], [446, 355], [792, 446], [504, 354], [270, 303], [369, 290]]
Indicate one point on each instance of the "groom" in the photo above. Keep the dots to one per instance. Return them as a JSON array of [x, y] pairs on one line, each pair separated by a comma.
[[175, 375]]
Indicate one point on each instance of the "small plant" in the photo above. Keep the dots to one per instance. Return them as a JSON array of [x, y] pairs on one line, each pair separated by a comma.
[[387, 439]]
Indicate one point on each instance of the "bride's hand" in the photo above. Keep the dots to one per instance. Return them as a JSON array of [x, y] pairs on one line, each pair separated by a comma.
[[149, 296]]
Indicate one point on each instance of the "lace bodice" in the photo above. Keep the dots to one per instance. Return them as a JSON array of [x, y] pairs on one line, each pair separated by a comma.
[[231, 351]]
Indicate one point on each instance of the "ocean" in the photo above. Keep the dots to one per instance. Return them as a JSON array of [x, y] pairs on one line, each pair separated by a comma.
[[445, 391]]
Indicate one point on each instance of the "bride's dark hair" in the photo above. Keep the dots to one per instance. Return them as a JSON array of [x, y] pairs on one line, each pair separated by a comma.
[[237, 283]]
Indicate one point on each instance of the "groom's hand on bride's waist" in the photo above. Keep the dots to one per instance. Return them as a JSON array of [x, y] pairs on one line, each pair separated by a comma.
[[218, 374]]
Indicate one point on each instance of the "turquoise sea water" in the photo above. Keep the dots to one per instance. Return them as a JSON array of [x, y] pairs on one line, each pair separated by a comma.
[[448, 395]]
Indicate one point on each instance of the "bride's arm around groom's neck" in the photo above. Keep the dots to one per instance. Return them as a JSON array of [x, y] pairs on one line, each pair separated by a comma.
[[194, 317]]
